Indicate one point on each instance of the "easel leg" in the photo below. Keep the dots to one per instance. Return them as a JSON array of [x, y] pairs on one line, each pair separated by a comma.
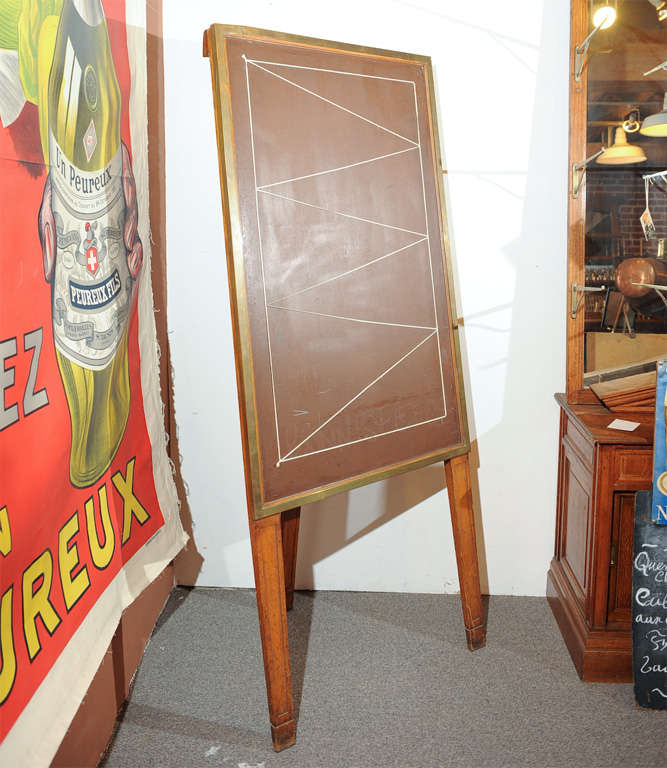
[[289, 522], [457, 472], [267, 555]]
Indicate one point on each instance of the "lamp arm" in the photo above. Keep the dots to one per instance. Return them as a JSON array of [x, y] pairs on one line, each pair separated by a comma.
[[659, 289], [583, 46], [658, 174], [656, 69], [578, 170], [580, 52]]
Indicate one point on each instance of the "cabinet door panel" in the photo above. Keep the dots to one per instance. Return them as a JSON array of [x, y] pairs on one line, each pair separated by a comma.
[[576, 440], [576, 524], [619, 606]]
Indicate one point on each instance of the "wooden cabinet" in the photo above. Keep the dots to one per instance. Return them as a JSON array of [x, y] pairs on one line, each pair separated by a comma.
[[599, 470], [590, 579]]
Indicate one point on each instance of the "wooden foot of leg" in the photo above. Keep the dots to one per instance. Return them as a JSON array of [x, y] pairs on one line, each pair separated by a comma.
[[476, 638], [283, 736], [267, 553], [457, 471], [289, 521]]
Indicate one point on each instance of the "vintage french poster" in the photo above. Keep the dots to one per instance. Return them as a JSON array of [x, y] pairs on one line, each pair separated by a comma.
[[88, 507]]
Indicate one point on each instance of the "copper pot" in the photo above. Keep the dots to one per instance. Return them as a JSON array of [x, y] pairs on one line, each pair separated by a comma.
[[632, 278]]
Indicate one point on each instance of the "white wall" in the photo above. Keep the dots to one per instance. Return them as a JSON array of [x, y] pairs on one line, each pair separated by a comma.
[[501, 77]]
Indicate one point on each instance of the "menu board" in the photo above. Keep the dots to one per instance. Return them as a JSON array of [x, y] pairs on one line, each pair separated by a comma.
[[649, 607]]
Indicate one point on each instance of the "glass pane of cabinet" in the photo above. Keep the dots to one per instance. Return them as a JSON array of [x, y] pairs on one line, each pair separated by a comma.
[[626, 321]]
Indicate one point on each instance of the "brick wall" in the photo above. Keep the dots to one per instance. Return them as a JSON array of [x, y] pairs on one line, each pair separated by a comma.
[[621, 190]]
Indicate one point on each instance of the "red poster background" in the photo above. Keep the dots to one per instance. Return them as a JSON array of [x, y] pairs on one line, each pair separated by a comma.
[[34, 451]]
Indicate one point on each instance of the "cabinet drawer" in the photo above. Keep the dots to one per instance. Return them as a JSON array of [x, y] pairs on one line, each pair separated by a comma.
[[633, 468]]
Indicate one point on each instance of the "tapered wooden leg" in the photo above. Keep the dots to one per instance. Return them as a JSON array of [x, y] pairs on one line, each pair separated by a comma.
[[457, 472], [289, 521], [267, 555]]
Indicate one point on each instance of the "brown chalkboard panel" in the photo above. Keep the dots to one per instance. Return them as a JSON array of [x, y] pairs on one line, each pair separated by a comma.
[[345, 333]]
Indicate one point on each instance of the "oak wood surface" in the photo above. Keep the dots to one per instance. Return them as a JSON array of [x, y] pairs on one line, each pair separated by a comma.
[[593, 420], [589, 581], [289, 523], [269, 566], [619, 604], [457, 472], [274, 547], [576, 209], [599, 656]]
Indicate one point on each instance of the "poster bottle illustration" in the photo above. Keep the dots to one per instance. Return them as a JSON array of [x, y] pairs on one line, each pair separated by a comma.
[[92, 285]]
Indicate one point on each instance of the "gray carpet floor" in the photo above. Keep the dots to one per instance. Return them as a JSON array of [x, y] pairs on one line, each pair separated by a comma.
[[379, 680]]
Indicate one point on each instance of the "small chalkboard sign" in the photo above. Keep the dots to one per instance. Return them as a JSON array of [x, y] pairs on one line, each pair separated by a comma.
[[649, 607]]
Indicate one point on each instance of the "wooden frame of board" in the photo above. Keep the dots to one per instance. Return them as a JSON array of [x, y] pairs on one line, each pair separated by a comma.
[[345, 333]]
